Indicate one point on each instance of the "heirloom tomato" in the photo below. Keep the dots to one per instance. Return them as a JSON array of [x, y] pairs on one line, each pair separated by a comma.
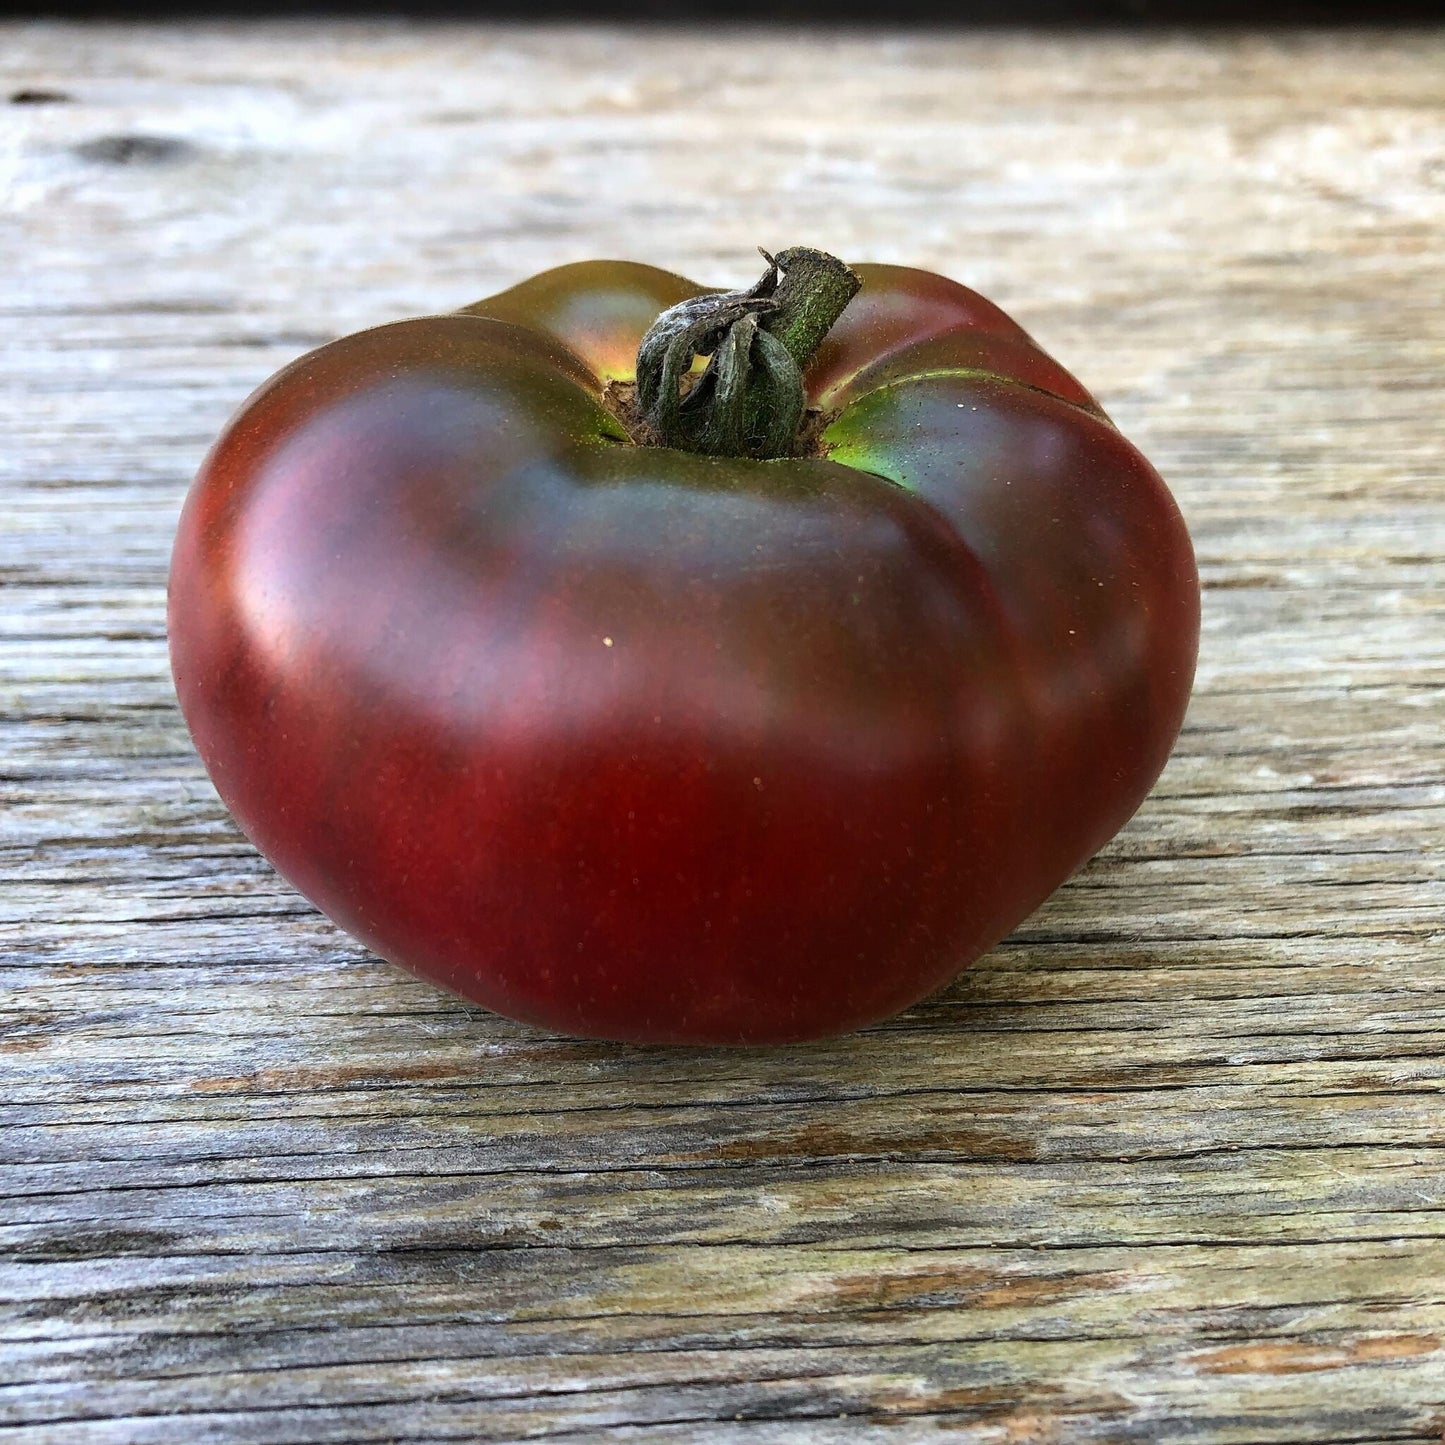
[[653, 663]]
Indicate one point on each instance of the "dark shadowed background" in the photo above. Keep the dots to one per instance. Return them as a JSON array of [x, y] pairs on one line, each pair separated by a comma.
[[949, 13]]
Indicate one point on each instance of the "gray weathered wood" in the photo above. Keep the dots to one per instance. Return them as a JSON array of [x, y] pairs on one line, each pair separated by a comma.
[[1168, 1165]]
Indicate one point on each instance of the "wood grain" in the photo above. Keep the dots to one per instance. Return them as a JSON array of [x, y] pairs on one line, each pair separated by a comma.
[[1169, 1165]]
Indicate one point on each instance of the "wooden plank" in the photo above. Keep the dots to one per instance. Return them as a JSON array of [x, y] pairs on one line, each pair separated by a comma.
[[1167, 1165]]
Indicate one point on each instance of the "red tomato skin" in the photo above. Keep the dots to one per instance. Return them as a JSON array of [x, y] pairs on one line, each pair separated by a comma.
[[634, 744]]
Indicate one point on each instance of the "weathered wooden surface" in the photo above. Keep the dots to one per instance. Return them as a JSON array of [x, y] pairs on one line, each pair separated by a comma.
[[1169, 1165]]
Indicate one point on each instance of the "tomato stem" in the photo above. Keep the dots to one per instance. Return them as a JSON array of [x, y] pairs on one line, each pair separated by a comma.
[[749, 401], [814, 289]]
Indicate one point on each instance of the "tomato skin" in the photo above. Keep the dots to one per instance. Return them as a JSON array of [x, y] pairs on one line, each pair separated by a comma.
[[632, 743]]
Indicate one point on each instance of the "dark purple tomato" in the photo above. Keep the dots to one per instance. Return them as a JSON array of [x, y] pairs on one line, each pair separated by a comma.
[[636, 742]]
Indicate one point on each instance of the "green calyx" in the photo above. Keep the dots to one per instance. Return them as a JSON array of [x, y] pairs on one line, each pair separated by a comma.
[[749, 402]]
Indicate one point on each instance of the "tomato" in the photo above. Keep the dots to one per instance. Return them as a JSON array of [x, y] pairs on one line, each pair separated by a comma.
[[666, 713]]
